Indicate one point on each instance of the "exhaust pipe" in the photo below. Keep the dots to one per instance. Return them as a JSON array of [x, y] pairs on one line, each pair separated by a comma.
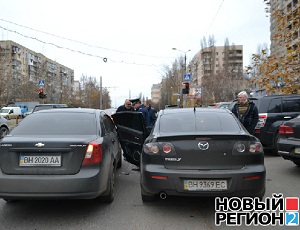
[[163, 195]]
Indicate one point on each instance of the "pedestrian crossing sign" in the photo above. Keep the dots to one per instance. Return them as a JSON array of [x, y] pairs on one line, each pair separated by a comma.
[[186, 77]]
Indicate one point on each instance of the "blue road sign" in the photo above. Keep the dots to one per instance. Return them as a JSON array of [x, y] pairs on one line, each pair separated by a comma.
[[186, 77], [41, 82]]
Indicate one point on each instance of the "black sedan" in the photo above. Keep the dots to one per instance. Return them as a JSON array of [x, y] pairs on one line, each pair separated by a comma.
[[193, 152], [289, 140], [60, 154]]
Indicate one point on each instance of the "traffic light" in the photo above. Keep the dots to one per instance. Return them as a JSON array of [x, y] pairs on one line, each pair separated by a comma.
[[186, 89], [42, 94]]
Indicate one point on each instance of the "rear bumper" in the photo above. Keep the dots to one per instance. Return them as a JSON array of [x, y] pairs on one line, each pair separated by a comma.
[[286, 149], [173, 185], [89, 183]]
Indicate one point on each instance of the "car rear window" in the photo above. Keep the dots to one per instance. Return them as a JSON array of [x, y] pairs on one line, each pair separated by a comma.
[[57, 124], [201, 122]]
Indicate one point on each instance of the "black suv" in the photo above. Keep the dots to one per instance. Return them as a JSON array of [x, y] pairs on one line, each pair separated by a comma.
[[273, 111]]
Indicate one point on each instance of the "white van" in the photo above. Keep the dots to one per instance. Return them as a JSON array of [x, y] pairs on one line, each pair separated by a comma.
[[11, 112]]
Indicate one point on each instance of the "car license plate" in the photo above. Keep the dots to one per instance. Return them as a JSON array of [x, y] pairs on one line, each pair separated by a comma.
[[40, 161], [205, 185], [297, 150]]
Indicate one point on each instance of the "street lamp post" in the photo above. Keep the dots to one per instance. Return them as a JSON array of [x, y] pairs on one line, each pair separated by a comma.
[[185, 99]]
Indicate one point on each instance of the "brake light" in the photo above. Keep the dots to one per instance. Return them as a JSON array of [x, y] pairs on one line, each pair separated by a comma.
[[93, 154], [151, 148], [262, 120], [156, 147], [284, 129], [256, 147], [167, 148]]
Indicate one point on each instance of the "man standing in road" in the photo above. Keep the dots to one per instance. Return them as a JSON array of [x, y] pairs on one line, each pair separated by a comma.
[[246, 111], [152, 114]]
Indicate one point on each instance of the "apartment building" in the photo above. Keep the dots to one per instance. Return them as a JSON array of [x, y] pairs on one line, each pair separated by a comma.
[[285, 36], [213, 60], [156, 93], [20, 65]]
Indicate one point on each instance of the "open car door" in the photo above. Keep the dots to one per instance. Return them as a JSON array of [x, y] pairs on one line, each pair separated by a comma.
[[132, 134]]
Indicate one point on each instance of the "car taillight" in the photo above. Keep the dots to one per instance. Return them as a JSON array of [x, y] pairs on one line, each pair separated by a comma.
[[262, 120], [93, 154], [156, 147], [256, 147], [240, 147], [284, 129], [167, 148]]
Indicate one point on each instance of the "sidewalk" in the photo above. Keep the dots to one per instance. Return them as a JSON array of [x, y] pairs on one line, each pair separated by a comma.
[[13, 122]]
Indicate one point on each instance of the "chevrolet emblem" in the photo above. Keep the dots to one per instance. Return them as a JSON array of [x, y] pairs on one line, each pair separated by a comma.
[[39, 145]]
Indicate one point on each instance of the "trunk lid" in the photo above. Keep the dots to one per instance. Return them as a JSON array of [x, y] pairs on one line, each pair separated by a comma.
[[51, 155], [214, 152]]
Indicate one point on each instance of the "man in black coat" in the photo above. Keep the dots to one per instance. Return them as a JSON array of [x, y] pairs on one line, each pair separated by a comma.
[[246, 111], [126, 107]]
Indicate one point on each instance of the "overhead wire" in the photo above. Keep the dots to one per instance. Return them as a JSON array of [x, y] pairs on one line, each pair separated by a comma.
[[83, 43], [214, 18]]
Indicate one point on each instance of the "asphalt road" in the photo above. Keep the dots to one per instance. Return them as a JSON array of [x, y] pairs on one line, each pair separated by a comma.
[[129, 212]]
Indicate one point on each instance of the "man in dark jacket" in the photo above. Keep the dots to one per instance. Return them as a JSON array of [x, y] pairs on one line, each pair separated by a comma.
[[152, 114], [126, 107], [246, 111]]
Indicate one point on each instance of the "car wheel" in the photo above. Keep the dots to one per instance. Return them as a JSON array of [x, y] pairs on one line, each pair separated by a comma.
[[274, 151], [297, 162], [147, 197], [3, 132], [111, 189]]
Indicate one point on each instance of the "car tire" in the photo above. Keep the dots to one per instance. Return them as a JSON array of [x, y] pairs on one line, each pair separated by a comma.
[[297, 162], [111, 189], [3, 132], [274, 151], [147, 197]]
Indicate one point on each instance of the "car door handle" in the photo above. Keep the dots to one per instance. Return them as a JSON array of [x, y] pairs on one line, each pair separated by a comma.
[[287, 117]]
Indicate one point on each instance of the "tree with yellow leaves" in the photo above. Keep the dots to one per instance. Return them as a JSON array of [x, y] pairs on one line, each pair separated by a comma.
[[279, 72]]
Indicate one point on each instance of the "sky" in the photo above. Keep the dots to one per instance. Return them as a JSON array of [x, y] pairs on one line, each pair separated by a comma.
[[134, 37]]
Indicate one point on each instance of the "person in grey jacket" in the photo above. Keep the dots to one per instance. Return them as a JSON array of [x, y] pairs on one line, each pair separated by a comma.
[[246, 111]]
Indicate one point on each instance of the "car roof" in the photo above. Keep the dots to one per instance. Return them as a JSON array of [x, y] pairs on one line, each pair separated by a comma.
[[191, 110], [68, 110], [50, 105]]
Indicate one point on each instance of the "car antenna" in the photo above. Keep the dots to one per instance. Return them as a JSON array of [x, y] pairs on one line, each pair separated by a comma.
[[194, 109]]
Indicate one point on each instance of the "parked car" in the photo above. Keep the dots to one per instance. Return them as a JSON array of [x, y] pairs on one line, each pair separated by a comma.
[[28, 113], [69, 153], [48, 106], [289, 140], [11, 112], [273, 111], [110, 111], [4, 128], [194, 152], [220, 105]]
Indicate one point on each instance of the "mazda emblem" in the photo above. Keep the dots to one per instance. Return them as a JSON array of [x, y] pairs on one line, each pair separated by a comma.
[[203, 145]]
